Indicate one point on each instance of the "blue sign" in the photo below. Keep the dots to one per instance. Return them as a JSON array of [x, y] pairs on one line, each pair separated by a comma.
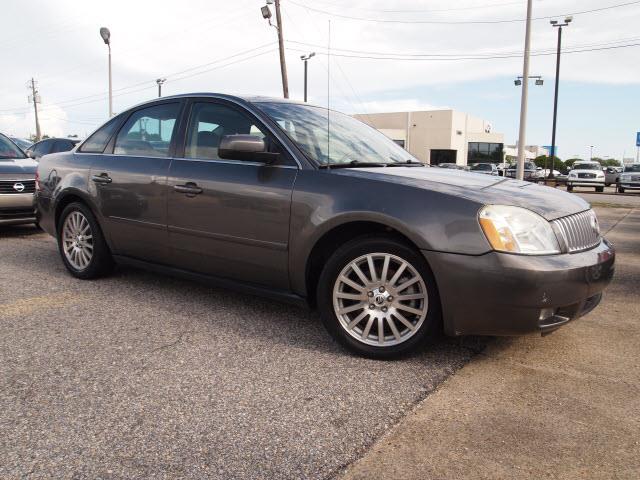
[[638, 139]]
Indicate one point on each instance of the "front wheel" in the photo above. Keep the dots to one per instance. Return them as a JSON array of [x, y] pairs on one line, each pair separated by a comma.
[[620, 189], [569, 188], [599, 189], [81, 243], [378, 298]]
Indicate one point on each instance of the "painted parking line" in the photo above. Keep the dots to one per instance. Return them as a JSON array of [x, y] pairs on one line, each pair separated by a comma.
[[25, 306]]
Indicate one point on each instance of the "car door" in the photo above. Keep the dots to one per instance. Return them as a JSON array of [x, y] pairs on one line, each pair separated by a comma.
[[130, 182], [229, 218]]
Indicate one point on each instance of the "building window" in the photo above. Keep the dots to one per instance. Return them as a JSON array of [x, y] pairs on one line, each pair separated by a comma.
[[484, 152], [399, 142]]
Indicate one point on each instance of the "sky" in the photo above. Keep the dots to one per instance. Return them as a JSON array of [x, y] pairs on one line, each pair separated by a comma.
[[392, 55]]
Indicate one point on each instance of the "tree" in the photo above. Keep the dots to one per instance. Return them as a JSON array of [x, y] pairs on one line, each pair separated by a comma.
[[543, 161], [569, 163]]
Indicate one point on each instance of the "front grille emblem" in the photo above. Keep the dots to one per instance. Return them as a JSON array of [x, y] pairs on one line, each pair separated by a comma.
[[18, 187]]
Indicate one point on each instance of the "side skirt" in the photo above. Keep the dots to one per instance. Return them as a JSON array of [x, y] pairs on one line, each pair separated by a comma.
[[249, 288]]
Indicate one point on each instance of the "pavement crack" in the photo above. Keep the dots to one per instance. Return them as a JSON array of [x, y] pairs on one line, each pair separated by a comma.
[[631, 210], [165, 346]]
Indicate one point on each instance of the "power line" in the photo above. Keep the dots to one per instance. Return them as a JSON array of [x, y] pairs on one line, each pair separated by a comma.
[[457, 22], [437, 10], [492, 57], [474, 55]]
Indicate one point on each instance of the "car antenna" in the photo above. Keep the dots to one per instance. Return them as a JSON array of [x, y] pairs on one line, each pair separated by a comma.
[[328, 97]]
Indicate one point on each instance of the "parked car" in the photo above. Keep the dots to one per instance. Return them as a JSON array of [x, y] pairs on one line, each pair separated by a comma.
[[17, 184], [629, 178], [586, 174], [453, 166], [611, 175], [51, 145], [242, 193], [502, 168], [530, 171], [543, 173], [485, 168], [21, 142]]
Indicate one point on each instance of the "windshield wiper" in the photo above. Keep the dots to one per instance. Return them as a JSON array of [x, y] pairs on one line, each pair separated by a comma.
[[355, 164]]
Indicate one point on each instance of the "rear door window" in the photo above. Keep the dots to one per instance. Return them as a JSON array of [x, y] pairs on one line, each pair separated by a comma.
[[148, 132], [62, 146]]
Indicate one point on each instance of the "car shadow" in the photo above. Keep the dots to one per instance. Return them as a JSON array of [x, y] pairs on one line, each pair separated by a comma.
[[14, 231]]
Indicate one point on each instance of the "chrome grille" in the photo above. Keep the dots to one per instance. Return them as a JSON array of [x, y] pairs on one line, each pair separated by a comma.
[[579, 231], [8, 186]]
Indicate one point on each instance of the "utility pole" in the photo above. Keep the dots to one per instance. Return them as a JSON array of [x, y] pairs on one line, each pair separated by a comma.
[[555, 23], [266, 14], [36, 99], [525, 92], [305, 59], [283, 64]]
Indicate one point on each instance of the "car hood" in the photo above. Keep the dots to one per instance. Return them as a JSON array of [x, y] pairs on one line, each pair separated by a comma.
[[483, 189], [17, 166]]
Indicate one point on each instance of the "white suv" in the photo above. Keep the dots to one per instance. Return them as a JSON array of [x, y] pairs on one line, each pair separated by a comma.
[[586, 174]]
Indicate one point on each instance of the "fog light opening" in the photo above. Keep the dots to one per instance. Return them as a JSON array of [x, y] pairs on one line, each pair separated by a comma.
[[546, 313]]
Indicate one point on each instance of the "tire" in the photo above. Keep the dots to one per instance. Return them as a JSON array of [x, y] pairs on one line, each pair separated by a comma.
[[357, 328], [81, 243], [599, 189], [569, 188], [620, 189]]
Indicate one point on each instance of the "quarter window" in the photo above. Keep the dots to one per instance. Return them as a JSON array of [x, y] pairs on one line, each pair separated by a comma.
[[209, 122], [148, 132], [97, 142]]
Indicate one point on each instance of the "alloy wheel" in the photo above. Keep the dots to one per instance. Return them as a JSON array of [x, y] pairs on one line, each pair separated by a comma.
[[380, 299], [77, 240]]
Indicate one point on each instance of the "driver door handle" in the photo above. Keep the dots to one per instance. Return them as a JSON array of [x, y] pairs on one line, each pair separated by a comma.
[[189, 188], [102, 178]]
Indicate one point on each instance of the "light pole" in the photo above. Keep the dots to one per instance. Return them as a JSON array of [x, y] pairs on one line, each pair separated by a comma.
[[160, 81], [305, 59], [106, 37], [555, 23], [518, 82], [266, 14], [591, 152], [525, 92]]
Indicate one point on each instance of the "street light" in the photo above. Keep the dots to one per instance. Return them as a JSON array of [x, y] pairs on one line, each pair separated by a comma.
[[106, 38], [539, 81], [305, 59], [160, 81], [559, 25], [591, 154]]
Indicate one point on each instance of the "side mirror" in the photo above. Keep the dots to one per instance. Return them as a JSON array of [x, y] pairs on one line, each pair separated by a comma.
[[31, 154], [248, 148]]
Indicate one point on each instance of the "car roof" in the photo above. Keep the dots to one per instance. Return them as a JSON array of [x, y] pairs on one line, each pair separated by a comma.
[[224, 96]]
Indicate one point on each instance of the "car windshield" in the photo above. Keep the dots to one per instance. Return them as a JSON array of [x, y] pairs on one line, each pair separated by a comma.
[[349, 141], [486, 167], [587, 166], [8, 149], [632, 168]]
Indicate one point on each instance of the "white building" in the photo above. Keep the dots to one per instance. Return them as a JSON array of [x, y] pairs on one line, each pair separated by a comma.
[[440, 136]]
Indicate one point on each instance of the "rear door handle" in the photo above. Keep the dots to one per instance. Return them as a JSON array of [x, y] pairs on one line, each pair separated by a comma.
[[102, 178], [189, 188]]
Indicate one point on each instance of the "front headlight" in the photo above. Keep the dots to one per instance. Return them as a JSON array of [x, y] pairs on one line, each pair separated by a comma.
[[600, 174], [517, 230], [573, 175]]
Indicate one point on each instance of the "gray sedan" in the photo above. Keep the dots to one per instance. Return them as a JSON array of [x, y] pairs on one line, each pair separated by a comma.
[[287, 200]]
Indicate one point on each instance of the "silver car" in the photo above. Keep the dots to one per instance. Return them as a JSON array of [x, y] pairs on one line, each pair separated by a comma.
[[17, 184], [630, 178], [586, 174]]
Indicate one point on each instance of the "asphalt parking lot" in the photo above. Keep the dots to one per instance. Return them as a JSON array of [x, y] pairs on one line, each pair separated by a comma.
[[144, 376]]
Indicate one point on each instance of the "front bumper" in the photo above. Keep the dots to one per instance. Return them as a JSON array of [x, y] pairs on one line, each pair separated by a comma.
[[504, 294], [629, 185], [585, 182], [17, 209]]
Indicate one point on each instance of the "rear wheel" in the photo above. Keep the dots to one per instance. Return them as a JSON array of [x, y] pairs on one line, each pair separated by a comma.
[[81, 244], [377, 297]]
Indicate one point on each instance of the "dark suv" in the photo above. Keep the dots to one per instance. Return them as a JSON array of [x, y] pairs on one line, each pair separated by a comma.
[[290, 201]]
